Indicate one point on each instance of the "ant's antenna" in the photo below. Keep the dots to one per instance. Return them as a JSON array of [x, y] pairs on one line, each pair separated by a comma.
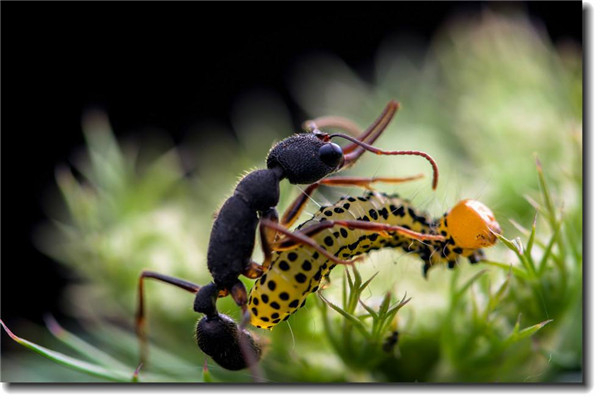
[[351, 159]]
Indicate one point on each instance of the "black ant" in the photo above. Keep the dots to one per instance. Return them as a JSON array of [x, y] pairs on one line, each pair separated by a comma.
[[301, 159]]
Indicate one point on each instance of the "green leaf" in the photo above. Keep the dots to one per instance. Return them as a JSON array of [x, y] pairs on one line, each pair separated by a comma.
[[397, 307], [532, 236], [81, 346], [548, 251], [354, 320], [389, 317], [515, 245], [70, 362], [385, 304], [496, 297], [518, 272], [547, 199], [357, 277], [519, 227], [517, 334], [468, 283], [532, 202], [372, 312], [364, 285]]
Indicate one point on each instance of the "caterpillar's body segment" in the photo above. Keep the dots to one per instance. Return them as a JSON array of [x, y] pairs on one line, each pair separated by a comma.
[[296, 273]]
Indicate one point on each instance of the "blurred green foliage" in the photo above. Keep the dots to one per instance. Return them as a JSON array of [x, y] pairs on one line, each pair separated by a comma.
[[489, 93]]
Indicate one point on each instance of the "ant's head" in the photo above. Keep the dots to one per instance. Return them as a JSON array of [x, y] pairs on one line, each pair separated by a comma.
[[472, 225], [306, 158]]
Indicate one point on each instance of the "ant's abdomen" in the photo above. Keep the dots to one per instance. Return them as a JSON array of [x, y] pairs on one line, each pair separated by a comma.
[[219, 337]]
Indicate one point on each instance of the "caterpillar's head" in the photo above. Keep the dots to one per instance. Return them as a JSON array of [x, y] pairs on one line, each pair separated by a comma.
[[472, 225]]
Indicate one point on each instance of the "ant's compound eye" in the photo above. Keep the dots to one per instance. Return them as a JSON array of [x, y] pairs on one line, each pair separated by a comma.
[[331, 154]]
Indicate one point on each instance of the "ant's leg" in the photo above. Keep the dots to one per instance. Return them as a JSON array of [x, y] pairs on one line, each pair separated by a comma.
[[365, 182], [314, 229], [247, 346], [254, 270], [359, 145], [315, 125], [349, 126], [375, 130], [238, 292], [267, 238], [140, 318], [240, 296], [268, 235], [293, 211], [299, 238], [362, 143]]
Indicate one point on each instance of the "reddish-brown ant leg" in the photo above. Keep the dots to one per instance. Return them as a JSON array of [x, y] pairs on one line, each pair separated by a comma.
[[293, 211], [362, 143], [300, 238], [254, 270], [314, 229], [375, 129], [140, 317], [342, 123], [267, 238], [240, 296]]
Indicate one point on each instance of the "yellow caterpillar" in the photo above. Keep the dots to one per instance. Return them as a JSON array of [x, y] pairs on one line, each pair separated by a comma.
[[296, 273]]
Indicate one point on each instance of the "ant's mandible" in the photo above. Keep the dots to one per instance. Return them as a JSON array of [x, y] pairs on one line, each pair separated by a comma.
[[301, 159]]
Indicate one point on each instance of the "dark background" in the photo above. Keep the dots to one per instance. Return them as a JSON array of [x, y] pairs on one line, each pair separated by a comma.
[[167, 66]]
